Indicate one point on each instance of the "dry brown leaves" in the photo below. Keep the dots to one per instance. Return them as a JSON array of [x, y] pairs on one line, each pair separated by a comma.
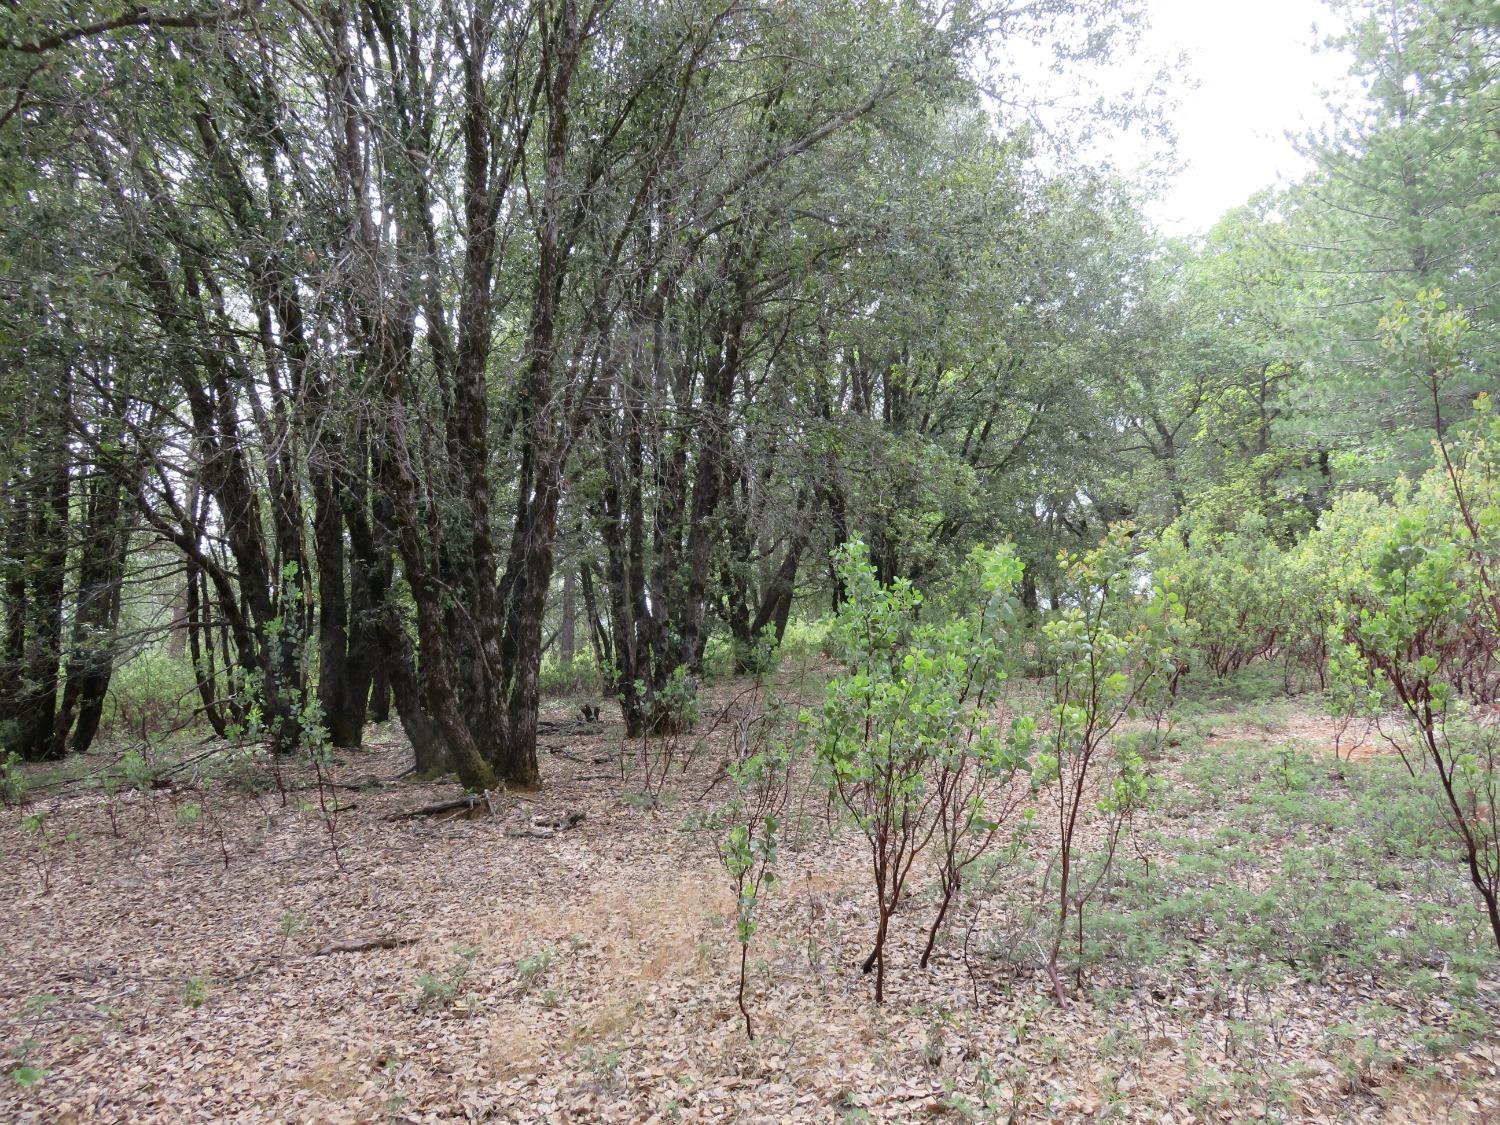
[[583, 977]]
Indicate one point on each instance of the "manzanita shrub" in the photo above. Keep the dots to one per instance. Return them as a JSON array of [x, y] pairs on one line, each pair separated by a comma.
[[1234, 587], [906, 740], [1414, 629], [749, 847], [1421, 606], [1108, 655]]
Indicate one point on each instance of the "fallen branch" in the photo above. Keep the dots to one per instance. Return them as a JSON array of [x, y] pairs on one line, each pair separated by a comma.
[[544, 828], [584, 725], [597, 759], [467, 807], [363, 945]]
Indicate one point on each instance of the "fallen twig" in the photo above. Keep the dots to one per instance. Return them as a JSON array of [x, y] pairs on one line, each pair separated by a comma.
[[362, 945], [544, 828], [467, 807]]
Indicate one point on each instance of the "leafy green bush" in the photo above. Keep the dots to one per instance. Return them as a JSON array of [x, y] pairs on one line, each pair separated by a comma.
[[580, 676], [1420, 600], [1235, 588], [1108, 655], [904, 736], [13, 783], [151, 693]]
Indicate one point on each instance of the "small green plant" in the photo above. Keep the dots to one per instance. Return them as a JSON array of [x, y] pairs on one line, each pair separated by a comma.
[[988, 1102], [905, 739], [13, 784], [290, 925], [1350, 697], [604, 1065], [665, 714], [935, 1038], [38, 1005], [44, 844], [1289, 772], [441, 990], [1467, 1024], [748, 851], [137, 771], [1024, 1020], [195, 991], [530, 969], [1052, 1049], [1108, 655], [33, 1010], [1360, 1057]]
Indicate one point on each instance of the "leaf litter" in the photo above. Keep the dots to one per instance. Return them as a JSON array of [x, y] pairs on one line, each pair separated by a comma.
[[506, 968]]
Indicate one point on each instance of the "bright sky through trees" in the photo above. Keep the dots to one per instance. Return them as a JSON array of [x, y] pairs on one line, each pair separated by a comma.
[[1257, 76]]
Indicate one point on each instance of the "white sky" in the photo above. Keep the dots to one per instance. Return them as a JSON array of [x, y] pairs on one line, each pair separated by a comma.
[[1258, 77]]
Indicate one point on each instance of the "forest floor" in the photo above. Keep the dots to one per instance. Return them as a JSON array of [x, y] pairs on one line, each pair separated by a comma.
[[1285, 938]]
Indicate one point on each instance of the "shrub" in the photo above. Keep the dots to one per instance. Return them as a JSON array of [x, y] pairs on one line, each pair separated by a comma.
[[152, 693], [1233, 587], [531, 969], [13, 784], [1416, 631], [748, 850], [904, 737], [1106, 655], [446, 988], [1421, 613], [579, 676]]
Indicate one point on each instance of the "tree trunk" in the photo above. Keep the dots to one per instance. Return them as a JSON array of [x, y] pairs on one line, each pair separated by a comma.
[[567, 638]]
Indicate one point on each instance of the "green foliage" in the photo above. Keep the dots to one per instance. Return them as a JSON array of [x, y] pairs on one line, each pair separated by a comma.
[[761, 773], [1402, 201], [578, 677], [1314, 876], [604, 1065], [446, 988], [904, 736], [805, 637], [1419, 605], [137, 772], [150, 694], [1235, 587], [195, 991], [674, 705], [1108, 655], [1351, 693], [13, 782], [38, 828], [531, 969]]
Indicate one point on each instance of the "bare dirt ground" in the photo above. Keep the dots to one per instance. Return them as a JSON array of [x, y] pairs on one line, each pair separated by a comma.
[[166, 959]]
